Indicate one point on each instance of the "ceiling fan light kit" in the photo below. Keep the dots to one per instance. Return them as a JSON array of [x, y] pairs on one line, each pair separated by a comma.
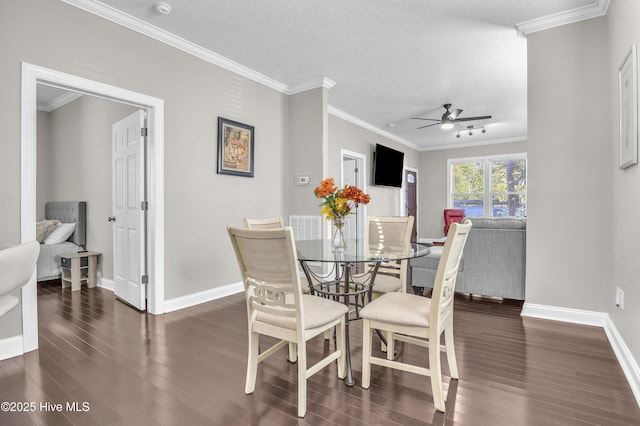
[[470, 129], [447, 124]]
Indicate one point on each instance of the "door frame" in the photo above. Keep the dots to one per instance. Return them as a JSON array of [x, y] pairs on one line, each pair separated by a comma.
[[403, 195], [32, 75]]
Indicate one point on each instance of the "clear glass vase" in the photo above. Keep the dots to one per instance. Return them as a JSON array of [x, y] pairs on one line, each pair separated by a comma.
[[338, 242]]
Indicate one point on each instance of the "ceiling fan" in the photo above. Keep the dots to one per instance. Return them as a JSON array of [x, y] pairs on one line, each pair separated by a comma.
[[449, 118]]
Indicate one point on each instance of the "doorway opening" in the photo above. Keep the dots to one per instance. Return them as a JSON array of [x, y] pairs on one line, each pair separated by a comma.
[[32, 75], [352, 172], [410, 199]]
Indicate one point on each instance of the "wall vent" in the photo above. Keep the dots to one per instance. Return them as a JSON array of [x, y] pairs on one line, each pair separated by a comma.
[[307, 227]]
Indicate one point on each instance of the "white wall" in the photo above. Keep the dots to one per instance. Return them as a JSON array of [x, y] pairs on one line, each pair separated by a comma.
[[623, 30], [44, 183], [199, 202], [346, 135], [307, 148], [574, 144], [569, 190]]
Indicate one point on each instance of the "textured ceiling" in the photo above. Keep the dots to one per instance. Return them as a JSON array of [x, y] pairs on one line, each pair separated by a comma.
[[390, 60]]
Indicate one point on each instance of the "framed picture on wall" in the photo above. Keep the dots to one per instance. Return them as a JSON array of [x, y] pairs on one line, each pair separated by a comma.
[[628, 95], [235, 148]]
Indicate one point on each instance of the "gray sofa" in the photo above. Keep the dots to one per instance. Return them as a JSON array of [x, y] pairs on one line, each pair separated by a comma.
[[493, 263]]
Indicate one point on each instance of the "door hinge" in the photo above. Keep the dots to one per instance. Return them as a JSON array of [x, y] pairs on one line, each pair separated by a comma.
[[144, 205], [145, 279], [143, 132]]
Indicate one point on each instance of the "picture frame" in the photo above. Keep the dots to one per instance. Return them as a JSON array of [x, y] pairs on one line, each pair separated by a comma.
[[628, 96], [235, 148]]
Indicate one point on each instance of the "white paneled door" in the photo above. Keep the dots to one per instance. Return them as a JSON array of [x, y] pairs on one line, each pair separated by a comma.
[[129, 211]]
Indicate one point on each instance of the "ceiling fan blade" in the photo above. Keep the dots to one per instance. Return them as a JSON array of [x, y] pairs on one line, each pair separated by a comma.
[[455, 114], [482, 117], [428, 125], [430, 119]]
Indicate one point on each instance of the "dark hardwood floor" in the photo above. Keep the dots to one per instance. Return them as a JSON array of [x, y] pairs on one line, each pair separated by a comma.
[[123, 367]]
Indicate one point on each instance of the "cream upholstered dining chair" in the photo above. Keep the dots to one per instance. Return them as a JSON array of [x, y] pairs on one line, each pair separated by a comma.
[[271, 223], [17, 265], [419, 320], [385, 233], [275, 223], [276, 306], [268, 223]]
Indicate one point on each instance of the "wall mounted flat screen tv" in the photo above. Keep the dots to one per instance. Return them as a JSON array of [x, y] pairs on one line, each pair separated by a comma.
[[388, 166]]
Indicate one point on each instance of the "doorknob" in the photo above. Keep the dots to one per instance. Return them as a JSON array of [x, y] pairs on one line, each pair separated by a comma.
[[111, 219]]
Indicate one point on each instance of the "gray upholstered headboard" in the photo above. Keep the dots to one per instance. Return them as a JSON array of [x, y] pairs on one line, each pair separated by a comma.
[[68, 212]]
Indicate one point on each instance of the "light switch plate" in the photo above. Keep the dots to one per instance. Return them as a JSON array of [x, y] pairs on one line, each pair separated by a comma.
[[303, 180]]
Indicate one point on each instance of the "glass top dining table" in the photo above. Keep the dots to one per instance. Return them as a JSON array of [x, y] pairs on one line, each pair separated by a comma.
[[347, 281], [356, 251]]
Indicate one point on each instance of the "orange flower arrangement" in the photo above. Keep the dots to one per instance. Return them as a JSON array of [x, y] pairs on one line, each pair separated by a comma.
[[338, 203]]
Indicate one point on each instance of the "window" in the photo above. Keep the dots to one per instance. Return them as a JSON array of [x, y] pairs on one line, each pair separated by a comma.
[[490, 186]]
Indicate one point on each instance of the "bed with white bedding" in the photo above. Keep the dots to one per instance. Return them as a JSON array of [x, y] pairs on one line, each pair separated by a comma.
[[68, 214]]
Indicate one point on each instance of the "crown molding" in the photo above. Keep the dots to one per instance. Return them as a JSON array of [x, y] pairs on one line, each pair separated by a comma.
[[118, 17], [473, 143], [358, 122], [598, 8], [58, 102], [368, 126], [315, 84]]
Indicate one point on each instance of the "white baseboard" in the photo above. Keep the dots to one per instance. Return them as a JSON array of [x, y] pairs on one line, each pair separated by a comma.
[[11, 346], [575, 316], [625, 358], [202, 297], [105, 283], [190, 299]]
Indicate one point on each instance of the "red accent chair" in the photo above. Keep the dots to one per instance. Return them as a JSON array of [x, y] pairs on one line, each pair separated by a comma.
[[451, 216]]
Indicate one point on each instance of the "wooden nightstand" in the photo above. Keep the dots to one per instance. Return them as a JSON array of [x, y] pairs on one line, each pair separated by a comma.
[[79, 268]]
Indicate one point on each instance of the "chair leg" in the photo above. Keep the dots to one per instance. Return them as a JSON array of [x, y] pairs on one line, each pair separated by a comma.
[[451, 351], [341, 345], [366, 353], [328, 334], [293, 352], [252, 363], [435, 369], [302, 380], [391, 345]]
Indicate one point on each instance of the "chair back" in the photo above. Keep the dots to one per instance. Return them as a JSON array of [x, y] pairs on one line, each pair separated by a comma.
[[447, 273], [270, 223], [452, 216], [388, 233], [17, 265], [268, 263]]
